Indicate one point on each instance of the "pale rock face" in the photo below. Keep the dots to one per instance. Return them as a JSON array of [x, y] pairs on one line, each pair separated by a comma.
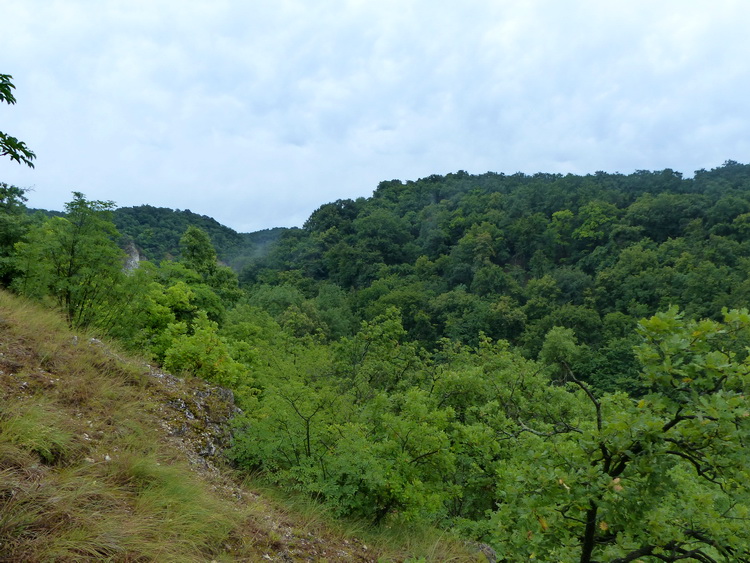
[[133, 259]]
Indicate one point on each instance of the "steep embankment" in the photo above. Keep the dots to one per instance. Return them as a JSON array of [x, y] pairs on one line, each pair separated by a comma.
[[102, 457]]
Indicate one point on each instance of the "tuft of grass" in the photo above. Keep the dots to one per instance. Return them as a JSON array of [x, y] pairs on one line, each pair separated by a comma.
[[36, 428], [415, 543]]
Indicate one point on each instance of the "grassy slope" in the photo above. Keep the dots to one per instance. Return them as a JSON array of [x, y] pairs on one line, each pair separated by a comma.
[[102, 458]]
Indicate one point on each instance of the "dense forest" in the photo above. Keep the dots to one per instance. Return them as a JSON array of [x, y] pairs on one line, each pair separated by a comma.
[[156, 232], [555, 365]]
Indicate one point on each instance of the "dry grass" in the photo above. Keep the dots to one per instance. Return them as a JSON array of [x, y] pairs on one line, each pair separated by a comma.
[[83, 473], [406, 542]]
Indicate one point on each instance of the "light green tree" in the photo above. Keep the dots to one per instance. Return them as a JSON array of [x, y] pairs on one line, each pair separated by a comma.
[[74, 260], [204, 354]]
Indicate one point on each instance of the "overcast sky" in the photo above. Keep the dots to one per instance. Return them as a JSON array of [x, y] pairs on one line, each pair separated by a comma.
[[258, 112]]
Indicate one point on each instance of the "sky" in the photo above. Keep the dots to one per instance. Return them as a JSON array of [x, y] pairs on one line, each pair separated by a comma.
[[257, 112]]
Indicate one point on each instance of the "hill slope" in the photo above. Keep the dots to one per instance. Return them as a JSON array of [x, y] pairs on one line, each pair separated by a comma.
[[156, 231], [103, 457]]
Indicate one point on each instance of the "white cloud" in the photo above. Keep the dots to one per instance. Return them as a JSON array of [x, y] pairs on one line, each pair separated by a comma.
[[257, 113]]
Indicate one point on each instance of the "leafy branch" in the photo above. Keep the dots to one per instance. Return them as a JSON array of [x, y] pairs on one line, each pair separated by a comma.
[[10, 146]]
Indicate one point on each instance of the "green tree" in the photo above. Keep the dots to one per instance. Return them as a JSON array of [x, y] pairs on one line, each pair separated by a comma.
[[409, 455], [376, 358], [596, 219], [624, 479], [10, 146], [158, 315], [74, 259], [198, 254], [383, 233], [197, 251], [335, 311], [14, 223], [290, 431]]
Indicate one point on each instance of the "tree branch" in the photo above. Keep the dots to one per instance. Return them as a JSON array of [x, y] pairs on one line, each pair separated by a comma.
[[592, 398]]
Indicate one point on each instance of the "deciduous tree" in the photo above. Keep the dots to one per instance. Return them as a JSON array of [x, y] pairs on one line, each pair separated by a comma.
[[623, 479], [75, 260]]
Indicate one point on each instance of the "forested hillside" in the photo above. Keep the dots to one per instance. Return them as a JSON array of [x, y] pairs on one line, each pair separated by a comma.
[[514, 256], [554, 365], [156, 231]]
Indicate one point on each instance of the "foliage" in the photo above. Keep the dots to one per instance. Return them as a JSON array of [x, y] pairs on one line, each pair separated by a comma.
[[625, 478], [10, 146], [14, 223], [514, 256], [203, 354], [75, 260], [197, 251], [88, 472], [156, 232]]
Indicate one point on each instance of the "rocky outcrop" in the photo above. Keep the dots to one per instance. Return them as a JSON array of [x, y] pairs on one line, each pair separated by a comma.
[[194, 415]]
